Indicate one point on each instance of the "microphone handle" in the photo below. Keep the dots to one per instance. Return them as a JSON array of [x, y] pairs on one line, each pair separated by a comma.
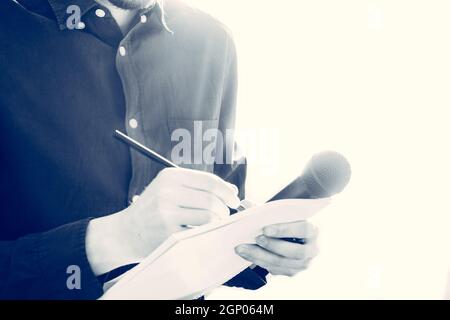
[[297, 189]]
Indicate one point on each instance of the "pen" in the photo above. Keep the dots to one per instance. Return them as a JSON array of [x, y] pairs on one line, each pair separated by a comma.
[[151, 154], [144, 150]]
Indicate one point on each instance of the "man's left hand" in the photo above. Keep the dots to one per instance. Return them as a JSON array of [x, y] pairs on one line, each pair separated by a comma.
[[278, 256]]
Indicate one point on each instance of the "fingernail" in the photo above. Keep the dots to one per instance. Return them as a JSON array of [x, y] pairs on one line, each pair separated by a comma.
[[236, 190], [236, 203], [242, 251], [261, 240], [270, 231]]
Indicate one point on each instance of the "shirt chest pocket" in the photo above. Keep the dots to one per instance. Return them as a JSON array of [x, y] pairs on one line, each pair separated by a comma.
[[194, 143]]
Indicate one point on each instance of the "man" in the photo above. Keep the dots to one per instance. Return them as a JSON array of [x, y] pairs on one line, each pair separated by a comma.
[[75, 199]]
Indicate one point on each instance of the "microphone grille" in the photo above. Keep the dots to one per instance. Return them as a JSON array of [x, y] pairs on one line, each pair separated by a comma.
[[326, 174]]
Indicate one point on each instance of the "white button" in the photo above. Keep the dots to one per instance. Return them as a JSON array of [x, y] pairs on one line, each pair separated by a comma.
[[135, 198], [144, 18], [122, 51], [133, 123], [100, 13], [81, 25]]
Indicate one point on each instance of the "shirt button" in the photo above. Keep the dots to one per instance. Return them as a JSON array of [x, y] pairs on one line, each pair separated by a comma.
[[144, 18], [135, 198], [100, 13], [133, 123], [81, 25], [122, 51]]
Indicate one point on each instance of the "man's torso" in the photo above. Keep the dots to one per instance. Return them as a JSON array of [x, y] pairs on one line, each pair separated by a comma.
[[64, 92]]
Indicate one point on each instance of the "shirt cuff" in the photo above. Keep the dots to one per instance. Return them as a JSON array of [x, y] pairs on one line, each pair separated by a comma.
[[251, 279], [64, 264]]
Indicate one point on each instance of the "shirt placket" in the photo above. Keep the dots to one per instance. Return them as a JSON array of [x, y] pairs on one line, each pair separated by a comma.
[[134, 124]]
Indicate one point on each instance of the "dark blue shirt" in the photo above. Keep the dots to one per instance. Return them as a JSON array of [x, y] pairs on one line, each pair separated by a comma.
[[63, 92]]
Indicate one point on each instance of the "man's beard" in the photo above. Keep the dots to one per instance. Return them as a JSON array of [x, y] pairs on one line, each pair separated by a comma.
[[131, 4]]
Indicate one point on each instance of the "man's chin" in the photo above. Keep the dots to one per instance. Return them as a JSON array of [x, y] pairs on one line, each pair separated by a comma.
[[131, 4]]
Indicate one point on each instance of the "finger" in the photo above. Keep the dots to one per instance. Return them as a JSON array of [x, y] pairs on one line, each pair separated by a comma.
[[279, 271], [262, 257], [194, 217], [290, 272], [201, 200], [299, 229], [286, 249], [205, 181]]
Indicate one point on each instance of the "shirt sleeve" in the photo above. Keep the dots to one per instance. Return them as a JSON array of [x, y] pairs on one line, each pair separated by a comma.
[[49, 265]]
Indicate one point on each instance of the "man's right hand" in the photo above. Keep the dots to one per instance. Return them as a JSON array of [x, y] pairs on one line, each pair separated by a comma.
[[176, 198]]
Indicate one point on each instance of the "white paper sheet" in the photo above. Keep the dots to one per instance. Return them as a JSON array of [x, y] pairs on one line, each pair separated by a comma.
[[195, 261]]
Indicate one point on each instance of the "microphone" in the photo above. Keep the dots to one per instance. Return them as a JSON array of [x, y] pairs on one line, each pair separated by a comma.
[[326, 174]]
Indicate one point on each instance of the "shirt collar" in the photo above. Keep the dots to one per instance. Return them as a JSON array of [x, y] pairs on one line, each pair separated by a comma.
[[59, 8]]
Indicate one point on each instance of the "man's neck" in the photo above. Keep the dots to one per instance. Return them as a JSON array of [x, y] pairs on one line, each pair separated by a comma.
[[124, 18]]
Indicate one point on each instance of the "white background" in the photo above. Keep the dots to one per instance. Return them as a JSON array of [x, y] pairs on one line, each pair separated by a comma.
[[370, 79]]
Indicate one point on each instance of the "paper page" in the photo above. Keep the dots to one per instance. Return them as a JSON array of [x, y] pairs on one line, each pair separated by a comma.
[[200, 259]]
